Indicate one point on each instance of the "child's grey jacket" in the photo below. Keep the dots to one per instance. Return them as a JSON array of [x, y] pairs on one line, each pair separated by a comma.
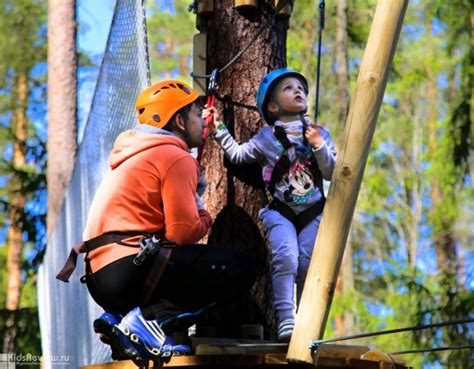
[[297, 189]]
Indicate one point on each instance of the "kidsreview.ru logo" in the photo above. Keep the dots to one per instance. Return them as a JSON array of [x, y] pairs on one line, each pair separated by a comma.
[[12, 360]]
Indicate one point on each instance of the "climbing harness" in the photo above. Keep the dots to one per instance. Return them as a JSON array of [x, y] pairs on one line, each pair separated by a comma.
[[148, 246], [318, 66], [211, 102], [120, 238], [281, 168], [90, 245]]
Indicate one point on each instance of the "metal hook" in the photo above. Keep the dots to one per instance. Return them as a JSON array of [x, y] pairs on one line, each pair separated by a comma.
[[213, 85]]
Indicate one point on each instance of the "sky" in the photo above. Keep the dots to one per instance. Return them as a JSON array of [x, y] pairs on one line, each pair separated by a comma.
[[94, 18]]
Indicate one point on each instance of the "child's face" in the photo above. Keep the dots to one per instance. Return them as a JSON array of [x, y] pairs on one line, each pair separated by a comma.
[[289, 96]]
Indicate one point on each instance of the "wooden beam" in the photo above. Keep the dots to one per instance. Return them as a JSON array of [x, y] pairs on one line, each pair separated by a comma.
[[200, 62], [347, 177]]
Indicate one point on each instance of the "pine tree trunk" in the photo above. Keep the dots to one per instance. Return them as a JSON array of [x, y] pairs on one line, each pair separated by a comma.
[[444, 242], [345, 283], [16, 214], [62, 111], [234, 195], [342, 71]]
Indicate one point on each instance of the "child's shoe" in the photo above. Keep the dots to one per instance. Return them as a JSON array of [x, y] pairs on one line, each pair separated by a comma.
[[147, 337], [285, 329]]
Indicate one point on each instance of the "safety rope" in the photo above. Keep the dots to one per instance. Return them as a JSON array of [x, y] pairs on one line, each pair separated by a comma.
[[281, 4], [315, 343], [322, 6], [434, 349]]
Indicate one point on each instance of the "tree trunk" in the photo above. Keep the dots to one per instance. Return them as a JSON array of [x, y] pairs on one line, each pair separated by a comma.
[[444, 242], [345, 323], [345, 283], [16, 215], [62, 107], [234, 195], [342, 67]]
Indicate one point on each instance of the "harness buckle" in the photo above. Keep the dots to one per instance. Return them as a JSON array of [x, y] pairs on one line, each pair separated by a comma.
[[148, 246]]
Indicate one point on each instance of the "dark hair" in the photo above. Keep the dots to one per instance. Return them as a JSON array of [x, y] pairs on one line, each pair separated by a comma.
[[184, 111]]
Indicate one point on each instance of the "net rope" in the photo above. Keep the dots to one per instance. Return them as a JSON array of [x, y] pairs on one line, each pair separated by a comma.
[[66, 310]]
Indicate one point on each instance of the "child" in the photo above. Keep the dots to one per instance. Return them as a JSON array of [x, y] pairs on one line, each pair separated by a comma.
[[295, 156]]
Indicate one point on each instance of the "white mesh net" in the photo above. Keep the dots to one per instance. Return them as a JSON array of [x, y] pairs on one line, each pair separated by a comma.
[[66, 310]]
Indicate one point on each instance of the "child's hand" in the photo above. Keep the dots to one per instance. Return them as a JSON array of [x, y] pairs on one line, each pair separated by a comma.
[[212, 111], [314, 137]]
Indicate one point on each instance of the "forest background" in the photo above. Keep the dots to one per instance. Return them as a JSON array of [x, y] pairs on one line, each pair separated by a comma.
[[410, 254]]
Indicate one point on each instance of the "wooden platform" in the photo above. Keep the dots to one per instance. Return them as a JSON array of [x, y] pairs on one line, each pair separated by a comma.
[[225, 353]]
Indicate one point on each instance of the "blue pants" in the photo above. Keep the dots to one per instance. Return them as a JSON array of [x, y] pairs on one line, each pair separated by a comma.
[[291, 255]]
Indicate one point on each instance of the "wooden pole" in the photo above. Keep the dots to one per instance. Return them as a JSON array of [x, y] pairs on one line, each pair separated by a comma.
[[359, 129]]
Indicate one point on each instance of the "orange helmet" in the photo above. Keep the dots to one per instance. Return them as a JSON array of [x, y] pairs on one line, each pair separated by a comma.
[[159, 102]]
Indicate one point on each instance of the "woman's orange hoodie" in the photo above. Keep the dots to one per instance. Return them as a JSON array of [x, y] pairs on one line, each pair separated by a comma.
[[150, 188]]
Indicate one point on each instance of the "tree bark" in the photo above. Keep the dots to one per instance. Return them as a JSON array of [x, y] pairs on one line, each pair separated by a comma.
[[235, 194], [444, 242], [62, 106], [16, 214]]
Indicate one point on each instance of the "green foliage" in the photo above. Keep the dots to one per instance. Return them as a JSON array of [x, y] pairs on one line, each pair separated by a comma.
[[23, 39], [170, 33], [396, 224], [28, 337]]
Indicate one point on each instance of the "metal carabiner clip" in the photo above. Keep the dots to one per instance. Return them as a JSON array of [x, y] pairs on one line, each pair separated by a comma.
[[213, 85]]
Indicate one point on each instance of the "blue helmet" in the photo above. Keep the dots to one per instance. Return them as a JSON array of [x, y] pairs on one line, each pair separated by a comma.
[[269, 82]]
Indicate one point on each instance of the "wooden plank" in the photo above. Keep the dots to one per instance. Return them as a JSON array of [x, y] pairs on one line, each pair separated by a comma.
[[199, 62], [332, 362], [363, 364], [226, 353], [230, 346], [239, 360], [386, 365], [124, 364], [342, 351], [279, 359], [377, 355]]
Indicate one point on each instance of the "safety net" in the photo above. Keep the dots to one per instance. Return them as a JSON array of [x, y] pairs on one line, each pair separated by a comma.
[[66, 310]]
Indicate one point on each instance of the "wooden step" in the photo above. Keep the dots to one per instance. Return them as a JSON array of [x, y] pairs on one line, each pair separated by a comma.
[[230, 353]]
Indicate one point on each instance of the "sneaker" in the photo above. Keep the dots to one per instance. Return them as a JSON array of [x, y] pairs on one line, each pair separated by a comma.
[[148, 338], [105, 327], [285, 329]]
